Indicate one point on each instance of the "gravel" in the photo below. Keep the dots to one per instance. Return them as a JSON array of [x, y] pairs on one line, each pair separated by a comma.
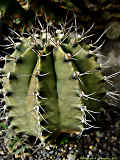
[[93, 144]]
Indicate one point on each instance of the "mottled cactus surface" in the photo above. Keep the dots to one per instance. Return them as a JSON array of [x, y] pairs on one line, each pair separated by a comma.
[[52, 83]]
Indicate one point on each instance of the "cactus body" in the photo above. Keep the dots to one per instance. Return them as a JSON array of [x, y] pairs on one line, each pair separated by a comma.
[[51, 92]]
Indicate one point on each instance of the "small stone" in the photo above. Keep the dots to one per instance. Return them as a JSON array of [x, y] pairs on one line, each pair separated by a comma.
[[91, 147], [71, 157], [70, 148], [47, 148], [89, 154], [98, 140], [51, 152], [100, 150], [72, 152]]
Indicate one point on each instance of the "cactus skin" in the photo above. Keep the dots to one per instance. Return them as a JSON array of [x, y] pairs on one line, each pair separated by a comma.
[[93, 82], [18, 90], [45, 93]]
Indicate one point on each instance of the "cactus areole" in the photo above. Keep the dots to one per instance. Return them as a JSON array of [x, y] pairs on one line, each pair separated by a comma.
[[51, 82]]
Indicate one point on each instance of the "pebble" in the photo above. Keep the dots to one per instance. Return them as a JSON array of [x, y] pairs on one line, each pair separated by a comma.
[[71, 157]]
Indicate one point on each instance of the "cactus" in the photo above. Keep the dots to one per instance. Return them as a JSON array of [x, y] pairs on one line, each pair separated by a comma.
[[52, 82]]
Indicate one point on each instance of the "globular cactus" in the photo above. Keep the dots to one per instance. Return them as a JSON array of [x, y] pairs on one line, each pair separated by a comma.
[[51, 82]]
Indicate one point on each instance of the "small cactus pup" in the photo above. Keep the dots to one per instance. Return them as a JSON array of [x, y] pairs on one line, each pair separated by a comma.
[[51, 83]]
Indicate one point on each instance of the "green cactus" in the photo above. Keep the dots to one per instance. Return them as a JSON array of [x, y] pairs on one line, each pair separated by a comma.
[[51, 83]]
